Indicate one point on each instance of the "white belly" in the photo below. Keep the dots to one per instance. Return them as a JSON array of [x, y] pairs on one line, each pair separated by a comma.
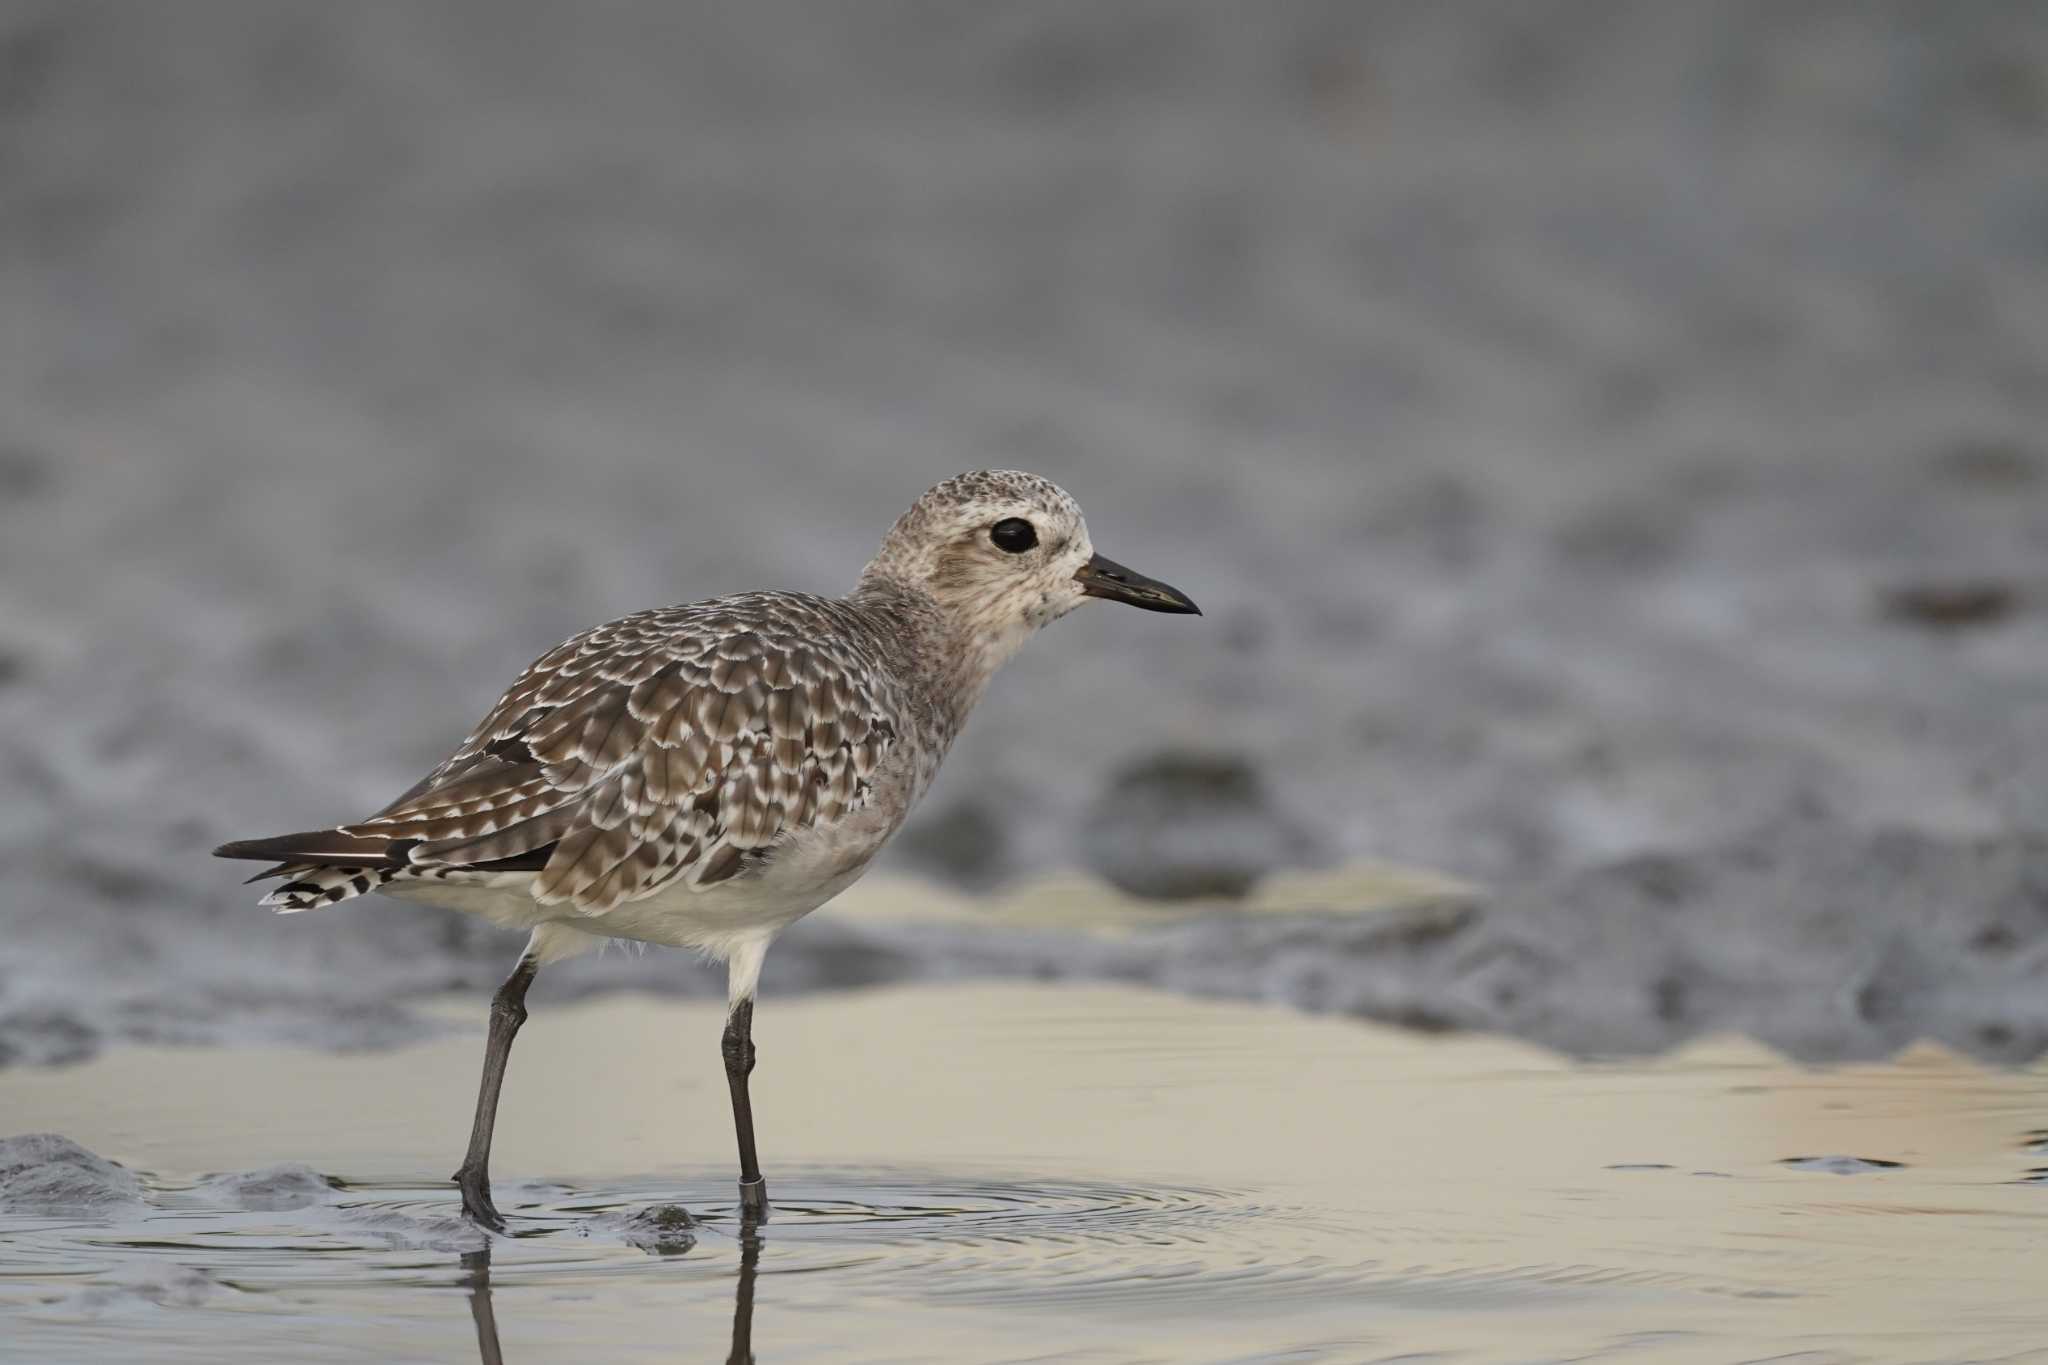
[[718, 920]]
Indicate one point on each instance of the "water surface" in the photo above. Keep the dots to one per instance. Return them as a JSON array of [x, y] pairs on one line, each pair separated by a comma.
[[1040, 1173]]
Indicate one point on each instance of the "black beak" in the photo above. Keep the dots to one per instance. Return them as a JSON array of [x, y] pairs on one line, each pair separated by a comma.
[[1106, 578]]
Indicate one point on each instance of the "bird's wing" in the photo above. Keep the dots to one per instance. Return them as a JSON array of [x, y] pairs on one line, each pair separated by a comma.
[[665, 745]]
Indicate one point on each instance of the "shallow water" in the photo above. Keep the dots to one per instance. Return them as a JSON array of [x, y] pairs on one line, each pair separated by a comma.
[[1041, 1173]]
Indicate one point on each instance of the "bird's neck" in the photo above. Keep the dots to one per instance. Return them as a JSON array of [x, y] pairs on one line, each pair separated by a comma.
[[948, 656]]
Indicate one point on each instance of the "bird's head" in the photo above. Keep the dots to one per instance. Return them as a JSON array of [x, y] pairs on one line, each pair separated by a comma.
[[1004, 552]]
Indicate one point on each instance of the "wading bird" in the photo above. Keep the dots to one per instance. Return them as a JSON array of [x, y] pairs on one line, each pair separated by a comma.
[[702, 776]]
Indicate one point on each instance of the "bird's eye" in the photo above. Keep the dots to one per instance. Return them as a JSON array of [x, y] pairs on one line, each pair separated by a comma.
[[1013, 534]]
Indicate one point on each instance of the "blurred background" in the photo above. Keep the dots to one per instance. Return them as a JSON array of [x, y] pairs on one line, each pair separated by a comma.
[[1606, 439]]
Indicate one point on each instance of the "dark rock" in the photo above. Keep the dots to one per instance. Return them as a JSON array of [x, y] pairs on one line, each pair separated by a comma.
[[1186, 826], [660, 1229], [42, 1173], [1959, 605]]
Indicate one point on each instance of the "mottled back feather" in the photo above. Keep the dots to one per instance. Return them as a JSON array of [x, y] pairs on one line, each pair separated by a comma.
[[672, 743], [683, 746]]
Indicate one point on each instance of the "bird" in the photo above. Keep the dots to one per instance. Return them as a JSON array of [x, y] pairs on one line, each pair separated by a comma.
[[702, 776]]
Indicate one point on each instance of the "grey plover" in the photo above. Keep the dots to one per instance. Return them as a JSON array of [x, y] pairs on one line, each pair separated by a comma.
[[702, 776]]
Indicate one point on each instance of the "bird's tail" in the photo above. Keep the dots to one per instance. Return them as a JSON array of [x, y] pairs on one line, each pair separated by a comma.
[[319, 867], [308, 887]]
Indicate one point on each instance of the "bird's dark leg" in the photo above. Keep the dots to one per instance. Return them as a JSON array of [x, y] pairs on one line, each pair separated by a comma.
[[508, 1012], [738, 1047]]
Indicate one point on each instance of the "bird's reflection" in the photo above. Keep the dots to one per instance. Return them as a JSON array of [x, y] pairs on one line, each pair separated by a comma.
[[743, 1297], [476, 1277]]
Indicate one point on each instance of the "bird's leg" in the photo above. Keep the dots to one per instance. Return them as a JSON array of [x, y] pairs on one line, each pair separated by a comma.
[[508, 1012], [738, 1047]]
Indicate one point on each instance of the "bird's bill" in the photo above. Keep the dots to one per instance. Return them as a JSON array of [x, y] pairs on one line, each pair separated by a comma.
[[1105, 578]]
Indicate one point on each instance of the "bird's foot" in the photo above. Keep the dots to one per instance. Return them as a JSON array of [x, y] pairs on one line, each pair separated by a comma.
[[476, 1200], [754, 1201]]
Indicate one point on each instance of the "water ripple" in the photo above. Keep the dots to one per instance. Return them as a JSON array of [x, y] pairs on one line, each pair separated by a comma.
[[203, 1260]]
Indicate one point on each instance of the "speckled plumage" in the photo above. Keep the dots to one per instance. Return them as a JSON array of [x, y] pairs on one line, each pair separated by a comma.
[[702, 776], [673, 744], [706, 746]]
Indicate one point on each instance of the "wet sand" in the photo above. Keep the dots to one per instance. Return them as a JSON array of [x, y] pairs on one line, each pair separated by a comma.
[[1008, 1172]]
